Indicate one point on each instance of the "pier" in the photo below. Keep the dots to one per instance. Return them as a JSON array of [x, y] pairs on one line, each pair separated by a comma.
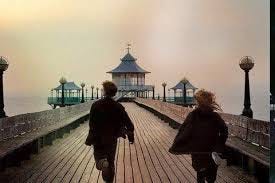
[[68, 159], [48, 146]]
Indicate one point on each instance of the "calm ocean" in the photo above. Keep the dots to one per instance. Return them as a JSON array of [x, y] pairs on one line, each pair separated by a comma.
[[22, 105]]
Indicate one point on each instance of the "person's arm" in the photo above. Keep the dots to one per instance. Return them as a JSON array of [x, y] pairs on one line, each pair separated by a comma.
[[127, 121], [183, 134], [223, 135], [92, 118], [90, 138], [129, 126], [223, 131]]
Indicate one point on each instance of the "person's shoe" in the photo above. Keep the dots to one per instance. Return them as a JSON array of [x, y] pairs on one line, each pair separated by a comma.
[[217, 159], [102, 164], [108, 174]]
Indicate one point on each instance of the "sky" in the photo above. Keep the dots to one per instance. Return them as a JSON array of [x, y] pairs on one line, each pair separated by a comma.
[[202, 40]]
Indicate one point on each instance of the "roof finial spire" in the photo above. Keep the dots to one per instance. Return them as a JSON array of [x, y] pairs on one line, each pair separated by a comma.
[[128, 47]]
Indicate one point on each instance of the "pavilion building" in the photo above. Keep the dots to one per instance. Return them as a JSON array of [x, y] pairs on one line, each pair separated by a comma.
[[72, 95], [130, 77], [179, 92]]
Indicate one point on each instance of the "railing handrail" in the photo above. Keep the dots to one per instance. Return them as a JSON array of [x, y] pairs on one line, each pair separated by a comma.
[[24, 123], [251, 130]]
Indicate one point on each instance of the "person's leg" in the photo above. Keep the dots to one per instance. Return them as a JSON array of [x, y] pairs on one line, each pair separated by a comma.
[[109, 172], [100, 157], [200, 176], [211, 173]]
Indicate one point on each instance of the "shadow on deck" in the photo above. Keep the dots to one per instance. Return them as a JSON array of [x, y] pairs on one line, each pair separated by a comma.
[[147, 160]]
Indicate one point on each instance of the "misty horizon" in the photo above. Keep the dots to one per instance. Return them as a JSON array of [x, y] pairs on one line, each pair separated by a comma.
[[200, 40]]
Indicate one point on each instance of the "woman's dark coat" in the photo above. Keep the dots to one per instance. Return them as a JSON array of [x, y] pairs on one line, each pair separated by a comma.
[[203, 131]]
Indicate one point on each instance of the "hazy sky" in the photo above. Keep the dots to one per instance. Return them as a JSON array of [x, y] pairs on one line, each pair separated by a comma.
[[82, 40]]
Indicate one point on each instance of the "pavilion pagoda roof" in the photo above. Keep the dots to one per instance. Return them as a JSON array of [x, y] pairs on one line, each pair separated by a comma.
[[180, 86], [128, 65], [68, 86]]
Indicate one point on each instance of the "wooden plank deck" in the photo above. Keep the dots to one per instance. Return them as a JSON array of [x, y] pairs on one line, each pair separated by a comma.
[[147, 160]]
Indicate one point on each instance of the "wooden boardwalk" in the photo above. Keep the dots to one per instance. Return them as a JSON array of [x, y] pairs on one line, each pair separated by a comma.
[[147, 160]]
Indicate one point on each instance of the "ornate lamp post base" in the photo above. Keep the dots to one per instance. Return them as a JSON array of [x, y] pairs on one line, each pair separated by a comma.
[[247, 112], [2, 114], [164, 92]]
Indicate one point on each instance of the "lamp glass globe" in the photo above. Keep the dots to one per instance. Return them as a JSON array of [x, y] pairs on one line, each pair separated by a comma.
[[4, 64], [246, 63], [62, 80], [184, 80]]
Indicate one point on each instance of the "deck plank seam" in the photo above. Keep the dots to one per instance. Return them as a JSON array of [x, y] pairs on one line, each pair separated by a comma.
[[56, 156], [176, 163], [188, 161], [158, 156], [150, 155]]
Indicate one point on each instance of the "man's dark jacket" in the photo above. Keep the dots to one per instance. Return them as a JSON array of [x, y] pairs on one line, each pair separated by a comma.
[[203, 131], [108, 121]]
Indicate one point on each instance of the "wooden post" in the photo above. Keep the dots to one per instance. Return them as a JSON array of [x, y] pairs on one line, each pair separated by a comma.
[[251, 166], [36, 144], [2, 164]]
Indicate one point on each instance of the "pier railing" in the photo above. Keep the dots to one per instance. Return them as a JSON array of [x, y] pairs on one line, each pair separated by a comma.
[[18, 125], [67, 100], [248, 145], [250, 130]]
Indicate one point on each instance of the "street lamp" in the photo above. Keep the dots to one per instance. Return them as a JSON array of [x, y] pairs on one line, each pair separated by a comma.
[[92, 97], [153, 92], [184, 82], [246, 64], [52, 95], [86, 94], [168, 98], [62, 81], [3, 67], [97, 92], [164, 96], [82, 86]]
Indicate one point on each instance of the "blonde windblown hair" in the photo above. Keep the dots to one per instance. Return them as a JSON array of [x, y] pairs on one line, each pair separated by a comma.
[[207, 99]]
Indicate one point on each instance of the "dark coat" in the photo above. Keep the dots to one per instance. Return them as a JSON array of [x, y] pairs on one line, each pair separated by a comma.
[[203, 131], [108, 121]]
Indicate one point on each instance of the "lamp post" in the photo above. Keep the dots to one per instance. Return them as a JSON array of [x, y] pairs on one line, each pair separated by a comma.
[[92, 96], [82, 86], [246, 64], [86, 94], [62, 81], [153, 93], [164, 95], [97, 92], [184, 82], [51, 100], [168, 98], [3, 67], [52, 93]]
